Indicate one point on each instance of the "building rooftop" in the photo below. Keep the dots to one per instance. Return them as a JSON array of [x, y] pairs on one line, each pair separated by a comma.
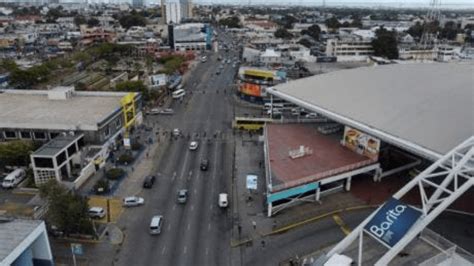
[[328, 156], [55, 145], [13, 233], [425, 108], [33, 109]]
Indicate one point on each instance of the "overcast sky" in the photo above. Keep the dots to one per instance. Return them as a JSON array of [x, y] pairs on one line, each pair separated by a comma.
[[364, 3]]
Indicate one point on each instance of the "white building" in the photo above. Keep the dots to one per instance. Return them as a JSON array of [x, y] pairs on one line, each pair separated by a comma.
[[270, 56], [173, 11], [24, 242], [349, 49]]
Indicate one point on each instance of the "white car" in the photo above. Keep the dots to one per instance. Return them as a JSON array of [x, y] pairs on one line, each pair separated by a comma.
[[311, 115], [96, 212], [176, 132], [133, 201], [193, 145], [153, 111]]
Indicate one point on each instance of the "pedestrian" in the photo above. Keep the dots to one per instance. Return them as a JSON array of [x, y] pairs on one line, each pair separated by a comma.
[[263, 243], [239, 227], [260, 164], [274, 224], [133, 169], [146, 154], [254, 224]]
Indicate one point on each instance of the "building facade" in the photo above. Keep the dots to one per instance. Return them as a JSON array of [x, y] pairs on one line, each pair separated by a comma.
[[349, 49]]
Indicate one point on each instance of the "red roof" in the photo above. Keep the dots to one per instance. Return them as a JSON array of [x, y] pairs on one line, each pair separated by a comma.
[[328, 156]]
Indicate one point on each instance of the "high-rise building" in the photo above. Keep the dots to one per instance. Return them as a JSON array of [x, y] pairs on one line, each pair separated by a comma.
[[173, 12], [186, 8], [137, 3]]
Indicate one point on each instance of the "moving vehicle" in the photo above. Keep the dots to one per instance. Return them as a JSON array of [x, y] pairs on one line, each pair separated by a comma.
[[14, 178], [167, 111], [250, 123], [176, 132], [153, 111], [96, 212], [311, 115], [133, 201], [223, 203], [204, 164], [178, 94], [149, 181], [156, 224], [182, 195], [203, 58], [193, 145]]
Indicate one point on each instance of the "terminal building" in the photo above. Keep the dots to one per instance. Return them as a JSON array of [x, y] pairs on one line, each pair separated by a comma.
[[368, 115]]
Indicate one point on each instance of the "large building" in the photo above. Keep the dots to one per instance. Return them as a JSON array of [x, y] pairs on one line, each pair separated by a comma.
[[190, 37], [349, 49], [186, 9], [420, 111], [173, 12], [24, 242]]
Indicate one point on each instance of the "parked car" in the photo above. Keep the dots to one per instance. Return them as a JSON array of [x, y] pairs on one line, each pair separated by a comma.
[[14, 178], [149, 181], [311, 115], [204, 164], [193, 145], [167, 111], [153, 111], [96, 212], [182, 196], [133, 201]]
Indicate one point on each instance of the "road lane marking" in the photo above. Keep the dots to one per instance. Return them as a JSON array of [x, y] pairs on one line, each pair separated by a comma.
[[185, 249], [209, 227], [195, 191], [212, 206], [207, 251], [163, 250], [169, 227], [345, 229], [174, 207], [192, 207], [189, 226]]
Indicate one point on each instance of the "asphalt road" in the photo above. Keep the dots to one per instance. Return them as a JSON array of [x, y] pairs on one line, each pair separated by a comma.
[[198, 232]]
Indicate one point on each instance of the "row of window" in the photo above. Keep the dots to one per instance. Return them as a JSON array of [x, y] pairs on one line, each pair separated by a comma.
[[38, 135]]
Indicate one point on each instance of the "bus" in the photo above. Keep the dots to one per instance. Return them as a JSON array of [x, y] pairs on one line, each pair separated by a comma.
[[178, 94], [250, 123]]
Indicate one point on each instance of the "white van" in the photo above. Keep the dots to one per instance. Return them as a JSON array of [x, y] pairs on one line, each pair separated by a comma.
[[223, 203], [14, 178], [156, 224], [178, 94]]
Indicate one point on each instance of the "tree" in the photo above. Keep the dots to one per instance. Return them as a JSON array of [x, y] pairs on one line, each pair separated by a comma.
[[80, 20], [283, 34], [131, 20], [385, 43], [288, 21], [16, 152], [67, 211], [313, 31], [356, 22], [332, 23], [231, 22], [305, 42], [450, 30], [93, 22]]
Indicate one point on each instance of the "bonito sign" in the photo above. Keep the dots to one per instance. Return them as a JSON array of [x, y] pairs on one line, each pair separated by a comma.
[[392, 222]]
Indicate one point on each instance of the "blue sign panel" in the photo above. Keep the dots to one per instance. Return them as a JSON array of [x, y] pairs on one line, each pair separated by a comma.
[[291, 192], [392, 222], [77, 249]]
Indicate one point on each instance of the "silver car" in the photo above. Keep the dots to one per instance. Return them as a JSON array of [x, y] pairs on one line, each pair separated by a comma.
[[133, 201]]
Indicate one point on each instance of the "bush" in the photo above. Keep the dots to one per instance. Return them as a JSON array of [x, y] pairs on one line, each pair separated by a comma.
[[114, 173], [136, 146], [102, 186], [125, 158]]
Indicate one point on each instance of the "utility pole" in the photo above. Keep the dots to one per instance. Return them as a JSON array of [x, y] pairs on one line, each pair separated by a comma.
[[428, 40]]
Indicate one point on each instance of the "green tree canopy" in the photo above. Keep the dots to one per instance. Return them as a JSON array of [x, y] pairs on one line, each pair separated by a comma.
[[67, 211], [231, 22], [80, 20], [93, 22], [16, 153], [332, 23], [313, 31], [283, 33], [385, 43], [133, 19]]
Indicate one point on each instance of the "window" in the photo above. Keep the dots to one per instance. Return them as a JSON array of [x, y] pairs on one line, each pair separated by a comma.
[[52, 135], [39, 135], [106, 131], [118, 123], [25, 135], [10, 135], [41, 162]]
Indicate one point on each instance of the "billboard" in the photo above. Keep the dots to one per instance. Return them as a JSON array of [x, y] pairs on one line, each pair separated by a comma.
[[271, 197], [251, 89], [361, 143], [392, 222], [252, 182], [266, 74]]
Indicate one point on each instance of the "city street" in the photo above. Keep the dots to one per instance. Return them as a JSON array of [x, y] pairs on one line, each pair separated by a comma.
[[198, 232]]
